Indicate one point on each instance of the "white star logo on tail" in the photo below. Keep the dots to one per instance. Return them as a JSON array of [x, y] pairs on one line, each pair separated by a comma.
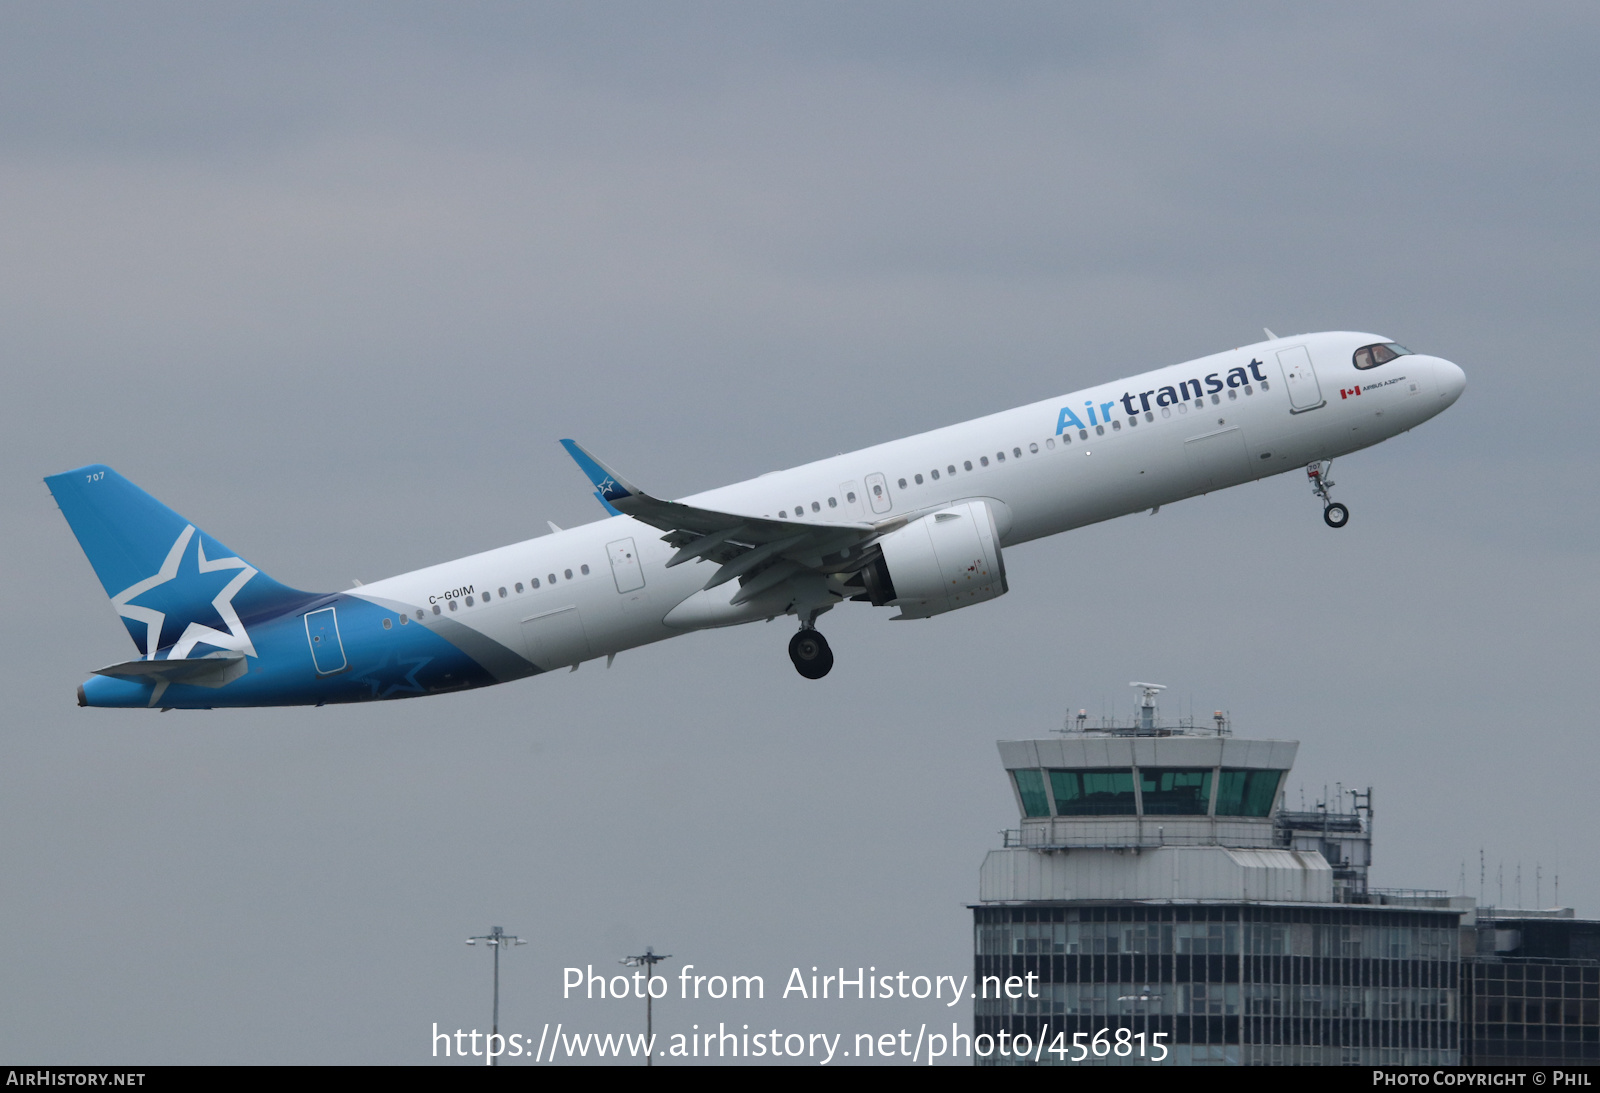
[[195, 633]]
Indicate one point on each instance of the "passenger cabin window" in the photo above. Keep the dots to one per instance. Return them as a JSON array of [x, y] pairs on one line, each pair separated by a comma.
[[584, 569], [918, 479], [983, 461], [878, 490], [1370, 356], [967, 465]]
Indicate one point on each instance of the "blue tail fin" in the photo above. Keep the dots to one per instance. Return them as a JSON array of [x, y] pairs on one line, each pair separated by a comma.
[[176, 588]]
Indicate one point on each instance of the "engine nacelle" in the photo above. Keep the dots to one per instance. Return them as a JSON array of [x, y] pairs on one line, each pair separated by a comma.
[[943, 561]]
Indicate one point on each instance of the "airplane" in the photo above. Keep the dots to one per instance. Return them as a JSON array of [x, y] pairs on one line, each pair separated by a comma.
[[920, 525]]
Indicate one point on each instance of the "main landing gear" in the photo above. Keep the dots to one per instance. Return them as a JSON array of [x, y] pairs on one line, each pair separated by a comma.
[[810, 653], [1334, 514]]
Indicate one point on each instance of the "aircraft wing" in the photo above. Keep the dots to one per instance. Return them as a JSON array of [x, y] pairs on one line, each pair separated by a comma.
[[761, 552]]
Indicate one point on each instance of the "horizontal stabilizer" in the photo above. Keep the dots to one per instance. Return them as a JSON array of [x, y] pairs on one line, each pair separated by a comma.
[[212, 671]]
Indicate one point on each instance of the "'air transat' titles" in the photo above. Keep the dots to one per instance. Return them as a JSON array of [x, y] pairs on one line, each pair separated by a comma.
[[1186, 391]]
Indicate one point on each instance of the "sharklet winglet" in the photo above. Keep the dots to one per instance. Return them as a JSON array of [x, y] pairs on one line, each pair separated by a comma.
[[609, 486]]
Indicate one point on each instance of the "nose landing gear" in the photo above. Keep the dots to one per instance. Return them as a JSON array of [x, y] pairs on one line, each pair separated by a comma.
[[810, 653], [1334, 514]]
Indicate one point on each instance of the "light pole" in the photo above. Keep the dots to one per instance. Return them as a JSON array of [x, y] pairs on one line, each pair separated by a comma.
[[648, 961], [496, 939]]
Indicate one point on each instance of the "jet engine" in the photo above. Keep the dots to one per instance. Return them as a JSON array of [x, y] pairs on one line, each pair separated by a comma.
[[942, 561]]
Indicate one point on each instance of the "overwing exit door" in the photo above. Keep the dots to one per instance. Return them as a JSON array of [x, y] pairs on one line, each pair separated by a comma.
[[878, 493]]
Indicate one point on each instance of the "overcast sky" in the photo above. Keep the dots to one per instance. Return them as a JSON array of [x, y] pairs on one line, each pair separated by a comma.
[[332, 281]]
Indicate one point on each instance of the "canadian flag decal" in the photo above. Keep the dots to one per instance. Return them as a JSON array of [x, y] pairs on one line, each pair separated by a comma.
[[1347, 392]]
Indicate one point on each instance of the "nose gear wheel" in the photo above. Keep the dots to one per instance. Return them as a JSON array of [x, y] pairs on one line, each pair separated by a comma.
[[1334, 514]]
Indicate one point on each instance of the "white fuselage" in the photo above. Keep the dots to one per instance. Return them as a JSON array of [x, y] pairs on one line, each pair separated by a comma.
[[1040, 472]]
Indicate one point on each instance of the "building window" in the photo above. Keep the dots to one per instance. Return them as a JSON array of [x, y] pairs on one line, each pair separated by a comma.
[[1030, 785], [1099, 792], [1175, 792], [1247, 792]]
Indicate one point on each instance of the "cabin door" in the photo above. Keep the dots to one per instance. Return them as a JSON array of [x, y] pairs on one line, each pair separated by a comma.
[[1300, 378], [327, 651]]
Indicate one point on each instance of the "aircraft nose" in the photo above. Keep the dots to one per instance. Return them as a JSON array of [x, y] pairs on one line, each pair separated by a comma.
[[1452, 380]]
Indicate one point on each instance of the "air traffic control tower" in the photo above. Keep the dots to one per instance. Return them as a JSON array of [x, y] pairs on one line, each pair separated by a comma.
[[1156, 884]]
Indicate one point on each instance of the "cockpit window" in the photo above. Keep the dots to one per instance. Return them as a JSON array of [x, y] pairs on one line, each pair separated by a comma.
[[1370, 356]]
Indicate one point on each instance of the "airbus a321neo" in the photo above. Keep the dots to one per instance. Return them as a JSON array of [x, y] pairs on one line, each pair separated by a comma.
[[920, 525]]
